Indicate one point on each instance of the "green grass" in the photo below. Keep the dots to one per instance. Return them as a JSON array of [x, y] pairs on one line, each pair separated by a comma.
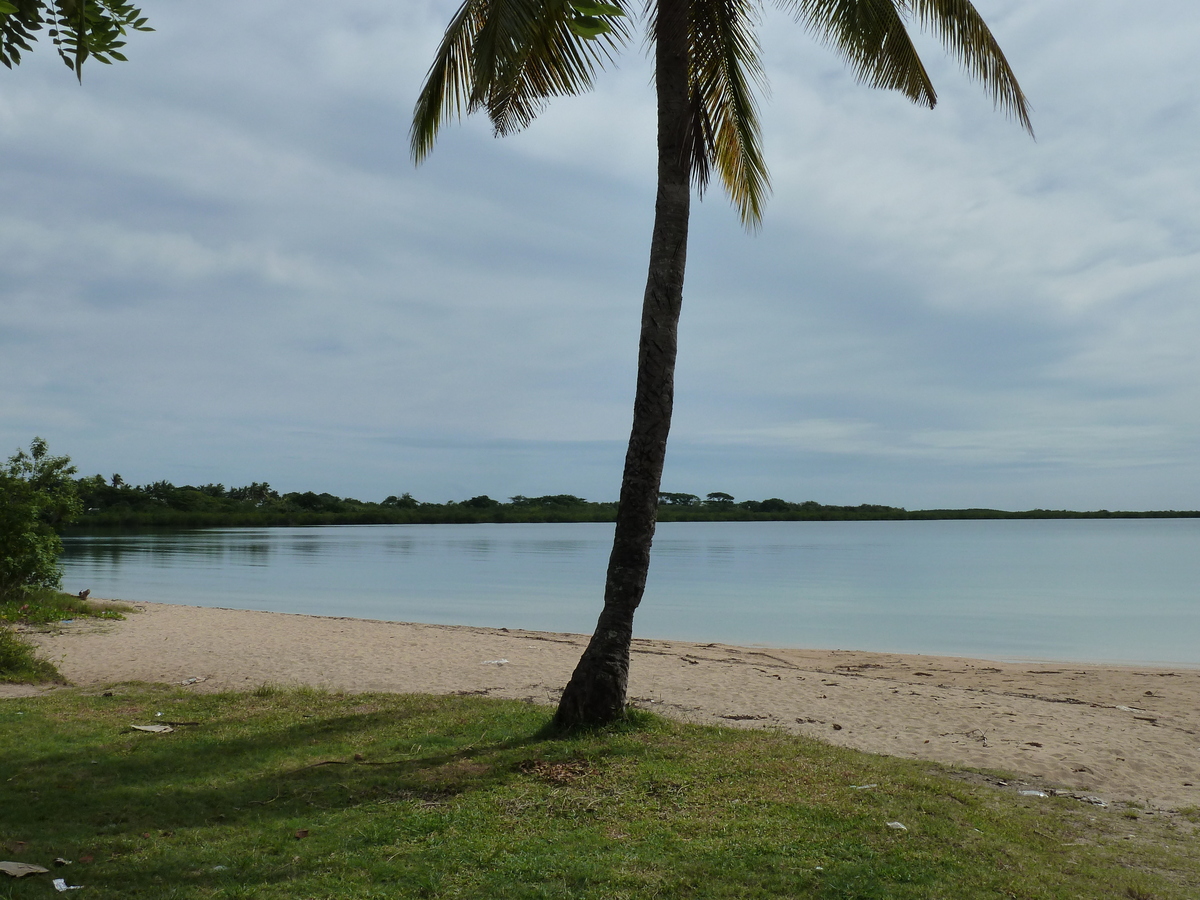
[[19, 662], [45, 607], [302, 794]]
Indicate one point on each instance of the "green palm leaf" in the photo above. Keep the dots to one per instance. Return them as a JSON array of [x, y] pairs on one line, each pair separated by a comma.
[[724, 131], [509, 57], [531, 50], [872, 36], [448, 86], [965, 34]]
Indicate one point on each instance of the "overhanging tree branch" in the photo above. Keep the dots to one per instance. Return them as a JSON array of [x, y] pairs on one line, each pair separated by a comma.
[[79, 29]]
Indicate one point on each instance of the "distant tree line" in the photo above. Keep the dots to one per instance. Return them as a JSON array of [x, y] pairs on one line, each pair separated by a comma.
[[112, 503]]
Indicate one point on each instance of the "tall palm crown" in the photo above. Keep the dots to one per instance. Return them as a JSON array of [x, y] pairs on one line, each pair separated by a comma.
[[508, 57]]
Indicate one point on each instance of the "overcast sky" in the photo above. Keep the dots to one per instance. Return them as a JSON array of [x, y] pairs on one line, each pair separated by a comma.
[[218, 263]]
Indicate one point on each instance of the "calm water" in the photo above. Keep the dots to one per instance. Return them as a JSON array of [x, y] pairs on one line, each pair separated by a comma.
[[1089, 590]]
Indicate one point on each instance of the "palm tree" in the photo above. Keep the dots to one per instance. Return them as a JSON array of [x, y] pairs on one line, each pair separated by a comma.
[[508, 57]]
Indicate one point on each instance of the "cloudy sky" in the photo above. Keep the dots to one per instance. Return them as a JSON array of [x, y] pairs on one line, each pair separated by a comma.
[[217, 263]]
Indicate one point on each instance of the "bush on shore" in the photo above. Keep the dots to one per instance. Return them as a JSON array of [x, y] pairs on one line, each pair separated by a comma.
[[20, 663]]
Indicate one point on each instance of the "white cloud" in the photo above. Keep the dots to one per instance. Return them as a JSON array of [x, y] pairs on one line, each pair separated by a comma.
[[227, 239]]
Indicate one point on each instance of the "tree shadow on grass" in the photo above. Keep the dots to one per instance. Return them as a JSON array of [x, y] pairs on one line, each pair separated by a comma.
[[270, 784]]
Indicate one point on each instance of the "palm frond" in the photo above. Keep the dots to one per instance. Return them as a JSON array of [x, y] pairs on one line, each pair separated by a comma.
[[871, 35], [509, 57], [964, 33], [448, 85], [723, 126], [530, 51]]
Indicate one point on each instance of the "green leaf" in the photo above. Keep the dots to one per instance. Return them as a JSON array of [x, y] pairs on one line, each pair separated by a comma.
[[7, 8], [586, 8], [589, 27]]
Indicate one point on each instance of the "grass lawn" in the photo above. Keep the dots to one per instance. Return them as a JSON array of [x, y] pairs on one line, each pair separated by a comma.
[[303, 794]]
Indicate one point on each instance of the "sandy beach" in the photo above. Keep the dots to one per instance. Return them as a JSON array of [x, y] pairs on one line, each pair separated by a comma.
[[1119, 733]]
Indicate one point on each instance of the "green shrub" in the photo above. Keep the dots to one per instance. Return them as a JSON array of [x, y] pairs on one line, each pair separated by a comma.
[[19, 661], [37, 498]]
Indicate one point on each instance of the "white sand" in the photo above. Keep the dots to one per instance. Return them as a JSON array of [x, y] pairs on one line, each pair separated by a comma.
[[1122, 733]]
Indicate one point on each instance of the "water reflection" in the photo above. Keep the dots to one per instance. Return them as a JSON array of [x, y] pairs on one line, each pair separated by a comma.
[[403, 546], [555, 548], [1100, 590], [476, 548]]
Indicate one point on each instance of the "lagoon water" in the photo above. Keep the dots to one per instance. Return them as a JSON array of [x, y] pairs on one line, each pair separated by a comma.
[[1104, 590]]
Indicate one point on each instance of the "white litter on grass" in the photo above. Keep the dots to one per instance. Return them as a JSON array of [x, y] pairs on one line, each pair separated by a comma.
[[60, 885], [495, 662], [863, 787], [20, 869], [153, 729], [897, 826], [1033, 794]]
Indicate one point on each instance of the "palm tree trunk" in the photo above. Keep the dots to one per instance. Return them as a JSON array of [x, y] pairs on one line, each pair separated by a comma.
[[597, 690]]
